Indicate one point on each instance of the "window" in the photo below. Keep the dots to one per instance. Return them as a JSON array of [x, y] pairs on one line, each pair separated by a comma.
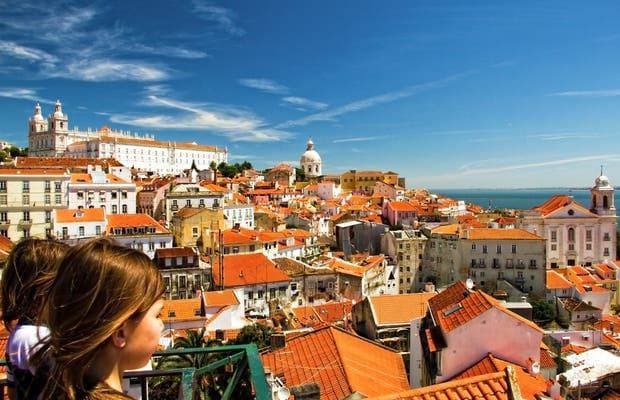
[[26, 216], [98, 230], [182, 281], [162, 245], [124, 208], [195, 231], [26, 186], [57, 186], [272, 293], [57, 199], [151, 246], [606, 237], [48, 216], [81, 231], [532, 263], [114, 195], [123, 194], [48, 199], [48, 186], [114, 209], [588, 246], [484, 248], [588, 235], [25, 199], [188, 203], [3, 200], [80, 195], [554, 236], [2, 186], [260, 294], [499, 249], [606, 251], [514, 249], [571, 234], [554, 247], [26, 233], [3, 216]]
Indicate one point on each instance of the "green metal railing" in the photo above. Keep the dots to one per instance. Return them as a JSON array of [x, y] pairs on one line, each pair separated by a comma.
[[242, 358]]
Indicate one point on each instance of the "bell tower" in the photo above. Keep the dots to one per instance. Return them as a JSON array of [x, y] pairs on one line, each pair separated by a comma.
[[38, 137], [59, 130], [602, 200]]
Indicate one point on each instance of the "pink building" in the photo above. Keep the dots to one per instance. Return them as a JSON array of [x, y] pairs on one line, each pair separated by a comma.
[[464, 326], [400, 212]]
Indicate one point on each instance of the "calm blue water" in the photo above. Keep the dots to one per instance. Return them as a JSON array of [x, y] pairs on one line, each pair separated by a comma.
[[513, 198]]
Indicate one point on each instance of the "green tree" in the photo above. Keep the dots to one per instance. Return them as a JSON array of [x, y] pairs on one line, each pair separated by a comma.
[[3, 155], [246, 165], [14, 151], [256, 333], [542, 310], [300, 175]]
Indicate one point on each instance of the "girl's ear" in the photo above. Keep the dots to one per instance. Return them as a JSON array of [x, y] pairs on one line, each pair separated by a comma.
[[119, 337]]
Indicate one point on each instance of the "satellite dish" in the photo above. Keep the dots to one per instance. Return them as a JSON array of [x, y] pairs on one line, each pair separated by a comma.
[[469, 283], [283, 393], [535, 368]]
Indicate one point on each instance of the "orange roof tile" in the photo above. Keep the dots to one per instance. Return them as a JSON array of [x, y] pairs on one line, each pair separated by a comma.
[[340, 363], [554, 203], [81, 215], [498, 234], [489, 387], [557, 281], [31, 171], [181, 310], [248, 269], [402, 206], [546, 359], [399, 309], [133, 220], [452, 229], [230, 236], [591, 288], [220, 298]]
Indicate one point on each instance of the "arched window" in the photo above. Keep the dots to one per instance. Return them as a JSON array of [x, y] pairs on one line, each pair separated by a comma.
[[594, 201], [605, 202], [571, 234]]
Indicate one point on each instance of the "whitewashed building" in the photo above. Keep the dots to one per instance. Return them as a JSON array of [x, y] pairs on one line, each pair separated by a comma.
[[239, 214], [191, 195], [28, 198], [52, 137], [74, 225], [97, 189], [575, 234], [138, 231]]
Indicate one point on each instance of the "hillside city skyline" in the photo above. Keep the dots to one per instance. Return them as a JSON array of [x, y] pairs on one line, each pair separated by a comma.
[[441, 94]]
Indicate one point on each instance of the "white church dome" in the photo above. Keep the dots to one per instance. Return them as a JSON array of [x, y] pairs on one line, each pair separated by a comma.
[[602, 180], [37, 117], [58, 110], [310, 155]]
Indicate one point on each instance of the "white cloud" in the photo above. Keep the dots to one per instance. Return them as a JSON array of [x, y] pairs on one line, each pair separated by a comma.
[[224, 17], [265, 85], [303, 102], [234, 123], [106, 70], [170, 51], [23, 94], [362, 104], [499, 168], [549, 137], [25, 53], [358, 139], [589, 93]]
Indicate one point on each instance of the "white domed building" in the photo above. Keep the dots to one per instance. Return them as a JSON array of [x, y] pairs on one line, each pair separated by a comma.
[[311, 162]]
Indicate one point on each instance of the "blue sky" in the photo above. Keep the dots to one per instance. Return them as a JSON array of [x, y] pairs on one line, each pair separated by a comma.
[[450, 94]]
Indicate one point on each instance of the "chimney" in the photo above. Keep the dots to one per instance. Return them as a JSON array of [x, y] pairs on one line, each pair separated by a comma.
[[278, 340]]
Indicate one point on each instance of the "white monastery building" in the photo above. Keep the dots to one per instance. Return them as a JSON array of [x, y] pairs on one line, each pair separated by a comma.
[[52, 137], [575, 234], [310, 161]]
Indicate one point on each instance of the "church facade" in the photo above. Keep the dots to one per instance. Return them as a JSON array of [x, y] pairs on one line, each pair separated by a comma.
[[576, 234], [52, 137], [310, 161]]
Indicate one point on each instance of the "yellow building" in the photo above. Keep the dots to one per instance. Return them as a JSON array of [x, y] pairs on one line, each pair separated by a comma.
[[364, 181], [194, 226]]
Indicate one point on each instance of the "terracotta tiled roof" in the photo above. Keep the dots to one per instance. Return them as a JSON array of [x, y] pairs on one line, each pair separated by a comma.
[[5, 247], [81, 215], [133, 220], [488, 387], [498, 234], [220, 298], [557, 281], [554, 203], [340, 363], [399, 309], [174, 252], [452, 229], [591, 288], [573, 348], [248, 269], [188, 212], [230, 236], [546, 359], [181, 310], [402, 206], [456, 306], [31, 171], [64, 162]]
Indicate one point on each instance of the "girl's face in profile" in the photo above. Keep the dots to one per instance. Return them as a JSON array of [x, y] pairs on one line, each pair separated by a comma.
[[142, 338]]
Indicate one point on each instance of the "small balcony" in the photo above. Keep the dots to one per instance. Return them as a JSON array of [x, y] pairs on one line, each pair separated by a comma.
[[174, 207], [5, 222], [25, 222]]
